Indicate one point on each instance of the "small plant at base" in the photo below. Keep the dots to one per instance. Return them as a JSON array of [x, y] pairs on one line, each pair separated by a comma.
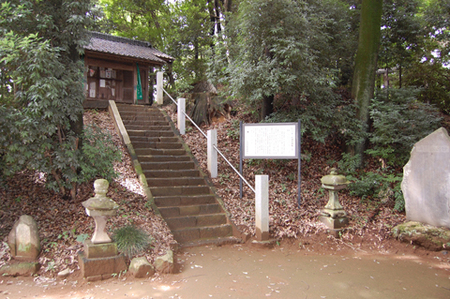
[[81, 238], [131, 240]]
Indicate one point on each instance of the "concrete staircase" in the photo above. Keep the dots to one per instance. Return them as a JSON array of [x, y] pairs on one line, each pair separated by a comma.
[[179, 190]]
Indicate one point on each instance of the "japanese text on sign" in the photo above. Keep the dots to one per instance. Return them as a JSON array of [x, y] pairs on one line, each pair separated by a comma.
[[276, 141]]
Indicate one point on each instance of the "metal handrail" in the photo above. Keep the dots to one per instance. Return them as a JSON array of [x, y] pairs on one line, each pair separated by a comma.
[[186, 115], [220, 153]]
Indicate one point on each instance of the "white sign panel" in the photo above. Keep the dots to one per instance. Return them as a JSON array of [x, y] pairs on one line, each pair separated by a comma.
[[275, 141]]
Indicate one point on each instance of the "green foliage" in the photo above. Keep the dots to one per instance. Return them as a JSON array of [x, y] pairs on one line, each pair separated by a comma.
[[42, 92], [384, 185], [322, 121], [399, 121], [234, 131], [131, 240], [99, 155], [349, 163], [143, 20], [401, 34], [273, 53]]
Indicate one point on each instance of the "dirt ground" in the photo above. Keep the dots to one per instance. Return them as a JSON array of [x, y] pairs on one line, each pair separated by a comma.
[[292, 269]]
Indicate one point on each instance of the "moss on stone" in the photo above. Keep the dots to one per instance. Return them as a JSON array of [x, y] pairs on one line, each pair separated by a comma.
[[427, 236]]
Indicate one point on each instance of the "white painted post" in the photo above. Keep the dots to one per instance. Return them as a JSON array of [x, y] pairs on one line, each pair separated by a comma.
[[181, 118], [211, 152], [262, 207], [159, 88]]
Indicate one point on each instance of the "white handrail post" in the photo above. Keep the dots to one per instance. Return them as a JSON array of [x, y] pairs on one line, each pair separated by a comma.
[[159, 88], [262, 207], [211, 152], [181, 118]]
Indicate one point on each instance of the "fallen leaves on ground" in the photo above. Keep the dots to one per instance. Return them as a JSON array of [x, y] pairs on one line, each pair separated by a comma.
[[61, 222]]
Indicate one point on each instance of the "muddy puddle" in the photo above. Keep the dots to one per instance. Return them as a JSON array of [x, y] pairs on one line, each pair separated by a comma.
[[251, 272]]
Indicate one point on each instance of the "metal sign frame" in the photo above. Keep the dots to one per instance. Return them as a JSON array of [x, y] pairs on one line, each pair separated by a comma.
[[270, 141]]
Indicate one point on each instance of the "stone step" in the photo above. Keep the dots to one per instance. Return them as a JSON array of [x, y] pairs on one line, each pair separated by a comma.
[[179, 181], [164, 158], [196, 234], [157, 145], [146, 116], [189, 210], [180, 190], [171, 173], [124, 106], [167, 165], [131, 126], [139, 111], [153, 139], [149, 133], [176, 223], [145, 123], [160, 152], [218, 241], [184, 200]]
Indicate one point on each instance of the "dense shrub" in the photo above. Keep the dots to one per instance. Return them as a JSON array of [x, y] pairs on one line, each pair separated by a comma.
[[399, 121]]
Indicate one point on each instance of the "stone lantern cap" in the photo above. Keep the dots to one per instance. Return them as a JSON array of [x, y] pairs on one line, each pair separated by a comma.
[[334, 181], [100, 205]]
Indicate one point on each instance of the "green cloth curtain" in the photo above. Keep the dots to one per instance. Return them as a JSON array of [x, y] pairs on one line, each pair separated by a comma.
[[139, 85]]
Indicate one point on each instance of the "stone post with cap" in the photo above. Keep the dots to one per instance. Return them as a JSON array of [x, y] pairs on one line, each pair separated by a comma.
[[333, 215], [100, 258]]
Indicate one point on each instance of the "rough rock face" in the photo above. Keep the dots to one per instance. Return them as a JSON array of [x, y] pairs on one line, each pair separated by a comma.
[[141, 268], [20, 269], [23, 240], [427, 236], [426, 180], [165, 263]]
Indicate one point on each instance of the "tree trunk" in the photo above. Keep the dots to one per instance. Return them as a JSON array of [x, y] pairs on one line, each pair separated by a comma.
[[267, 106], [364, 76]]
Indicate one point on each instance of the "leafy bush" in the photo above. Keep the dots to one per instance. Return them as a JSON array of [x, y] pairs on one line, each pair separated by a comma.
[[323, 117], [99, 155], [384, 186], [40, 124], [131, 240], [399, 121]]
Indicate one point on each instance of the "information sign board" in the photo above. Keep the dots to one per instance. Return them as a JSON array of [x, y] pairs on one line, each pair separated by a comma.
[[270, 141]]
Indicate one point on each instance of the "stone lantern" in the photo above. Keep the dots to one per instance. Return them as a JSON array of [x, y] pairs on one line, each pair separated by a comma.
[[100, 208], [100, 258], [333, 215]]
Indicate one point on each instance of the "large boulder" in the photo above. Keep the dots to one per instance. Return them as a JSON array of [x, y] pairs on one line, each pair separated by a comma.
[[23, 240], [426, 180], [427, 236]]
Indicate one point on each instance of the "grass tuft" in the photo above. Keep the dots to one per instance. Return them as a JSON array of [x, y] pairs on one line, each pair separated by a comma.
[[131, 240]]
